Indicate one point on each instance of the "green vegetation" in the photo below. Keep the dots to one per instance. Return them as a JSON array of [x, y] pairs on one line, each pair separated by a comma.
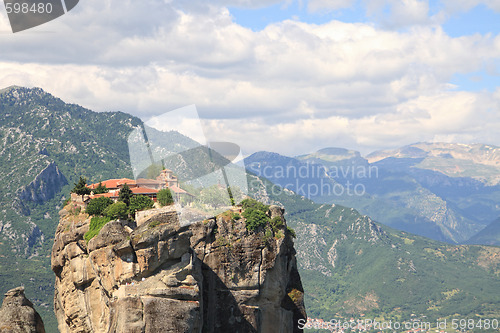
[[291, 231], [276, 223], [140, 202], [81, 187], [154, 224], [255, 219], [268, 235], [96, 224], [97, 206], [100, 189], [254, 204], [164, 197], [255, 214], [118, 210], [125, 194]]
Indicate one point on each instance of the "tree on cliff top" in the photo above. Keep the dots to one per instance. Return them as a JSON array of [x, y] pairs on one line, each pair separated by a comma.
[[118, 210], [98, 205], [81, 187], [125, 194], [164, 197], [140, 202]]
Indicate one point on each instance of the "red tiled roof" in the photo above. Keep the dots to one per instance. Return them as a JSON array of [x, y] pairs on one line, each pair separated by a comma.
[[135, 190], [148, 181], [114, 183], [107, 195], [143, 190], [178, 190]]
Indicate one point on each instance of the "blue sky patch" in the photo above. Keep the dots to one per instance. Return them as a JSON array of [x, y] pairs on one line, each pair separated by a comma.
[[258, 19], [480, 19]]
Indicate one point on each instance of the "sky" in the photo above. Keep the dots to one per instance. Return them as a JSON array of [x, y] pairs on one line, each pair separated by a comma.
[[290, 76]]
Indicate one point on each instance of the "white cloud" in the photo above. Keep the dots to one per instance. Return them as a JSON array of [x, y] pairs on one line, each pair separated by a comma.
[[292, 86], [328, 5], [453, 6], [395, 14]]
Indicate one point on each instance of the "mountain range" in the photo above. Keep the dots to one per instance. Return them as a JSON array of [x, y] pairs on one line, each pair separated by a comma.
[[350, 263], [444, 191]]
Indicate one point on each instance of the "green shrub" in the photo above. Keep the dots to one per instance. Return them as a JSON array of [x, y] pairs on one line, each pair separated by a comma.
[[279, 234], [252, 203], [255, 219], [140, 202], [96, 224], [154, 224], [118, 210], [98, 205], [236, 216], [164, 197], [276, 223], [291, 232], [255, 214], [268, 235]]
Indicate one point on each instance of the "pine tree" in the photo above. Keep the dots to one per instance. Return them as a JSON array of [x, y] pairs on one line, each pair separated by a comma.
[[81, 187], [125, 194]]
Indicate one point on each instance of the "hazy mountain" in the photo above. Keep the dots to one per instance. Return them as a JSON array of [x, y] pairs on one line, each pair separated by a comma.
[[404, 189], [489, 235], [477, 161]]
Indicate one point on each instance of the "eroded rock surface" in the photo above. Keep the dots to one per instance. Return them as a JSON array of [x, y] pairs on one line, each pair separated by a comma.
[[17, 314], [210, 276]]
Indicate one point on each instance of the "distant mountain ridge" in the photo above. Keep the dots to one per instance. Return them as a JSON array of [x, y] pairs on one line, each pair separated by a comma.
[[414, 188], [489, 235], [479, 161]]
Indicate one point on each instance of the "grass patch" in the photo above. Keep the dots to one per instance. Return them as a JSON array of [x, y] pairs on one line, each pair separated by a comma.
[[154, 224], [96, 224]]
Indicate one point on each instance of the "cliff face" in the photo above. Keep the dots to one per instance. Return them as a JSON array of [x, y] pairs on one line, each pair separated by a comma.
[[43, 188], [18, 315], [210, 276]]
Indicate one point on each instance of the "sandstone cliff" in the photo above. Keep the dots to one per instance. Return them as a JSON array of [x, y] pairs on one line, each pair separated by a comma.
[[210, 276], [17, 314]]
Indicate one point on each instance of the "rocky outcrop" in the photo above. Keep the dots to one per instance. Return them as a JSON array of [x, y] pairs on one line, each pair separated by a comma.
[[45, 185], [210, 276], [17, 314], [43, 188]]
